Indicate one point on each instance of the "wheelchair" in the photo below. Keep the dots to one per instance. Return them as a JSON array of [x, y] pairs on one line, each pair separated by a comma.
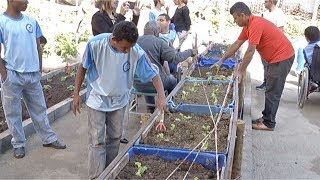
[[309, 78]]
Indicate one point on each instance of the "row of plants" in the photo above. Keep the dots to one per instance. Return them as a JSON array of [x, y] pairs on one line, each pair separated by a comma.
[[187, 134]]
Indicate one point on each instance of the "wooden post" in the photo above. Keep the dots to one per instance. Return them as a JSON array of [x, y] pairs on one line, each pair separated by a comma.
[[236, 168]]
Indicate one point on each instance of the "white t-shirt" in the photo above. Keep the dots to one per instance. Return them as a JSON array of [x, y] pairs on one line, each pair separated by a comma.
[[276, 16]]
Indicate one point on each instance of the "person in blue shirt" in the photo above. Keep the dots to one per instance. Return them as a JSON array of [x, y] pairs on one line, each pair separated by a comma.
[[312, 35], [20, 70], [157, 10], [111, 62]]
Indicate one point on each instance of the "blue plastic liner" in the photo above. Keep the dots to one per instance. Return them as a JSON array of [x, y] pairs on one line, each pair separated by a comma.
[[206, 62], [208, 160], [198, 108]]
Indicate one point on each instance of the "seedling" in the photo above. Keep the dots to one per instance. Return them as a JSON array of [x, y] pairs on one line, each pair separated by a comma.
[[160, 136], [71, 87], [184, 95], [209, 77], [73, 73], [206, 129], [172, 127], [49, 80], [184, 117], [214, 94], [64, 78], [47, 87], [196, 178], [141, 169]]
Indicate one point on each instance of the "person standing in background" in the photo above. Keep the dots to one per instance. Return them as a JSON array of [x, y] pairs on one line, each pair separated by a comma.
[[104, 20], [181, 20], [278, 18], [157, 10], [20, 70]]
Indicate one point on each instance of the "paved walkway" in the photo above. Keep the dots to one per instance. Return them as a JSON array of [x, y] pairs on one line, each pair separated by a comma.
[[48, 163], [292, 150]]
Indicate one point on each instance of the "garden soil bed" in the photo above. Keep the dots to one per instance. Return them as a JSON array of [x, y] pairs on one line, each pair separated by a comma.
[[193, 93], [158, 168], [187, 130], [206, 72], [56, 89]]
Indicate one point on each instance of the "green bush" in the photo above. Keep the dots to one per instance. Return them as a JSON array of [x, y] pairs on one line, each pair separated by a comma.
[[66, 46]]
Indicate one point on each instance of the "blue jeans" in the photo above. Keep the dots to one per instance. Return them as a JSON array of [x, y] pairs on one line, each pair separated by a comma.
[[26, 86], [105, 129]]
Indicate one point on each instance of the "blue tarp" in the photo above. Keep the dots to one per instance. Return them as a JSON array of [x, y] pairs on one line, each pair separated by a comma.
[[198, 108], [208, 61], [208, 160]]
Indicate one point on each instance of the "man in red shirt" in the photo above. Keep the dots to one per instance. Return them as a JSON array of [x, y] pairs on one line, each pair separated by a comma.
[[274, 47]]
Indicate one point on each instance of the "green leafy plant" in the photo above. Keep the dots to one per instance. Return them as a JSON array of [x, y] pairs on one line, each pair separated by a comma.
[[66, 46], [71, 87], [47, 87], [184, 117], [160, 136], [64, 78], [172, 127], [141, 169], [73, 73], [185, 94]]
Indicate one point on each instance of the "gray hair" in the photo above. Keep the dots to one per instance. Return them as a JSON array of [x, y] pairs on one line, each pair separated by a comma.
[[152, 28]]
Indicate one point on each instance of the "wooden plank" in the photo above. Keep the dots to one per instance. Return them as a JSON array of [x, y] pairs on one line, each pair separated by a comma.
[[236, 170]]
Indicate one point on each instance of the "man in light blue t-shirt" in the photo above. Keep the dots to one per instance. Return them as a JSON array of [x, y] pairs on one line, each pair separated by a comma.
[[20, 70], [111, 62]]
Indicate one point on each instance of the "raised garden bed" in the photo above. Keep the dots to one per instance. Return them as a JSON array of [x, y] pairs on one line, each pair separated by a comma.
[[212, 73], [159, 163], [187, 130], [56, 89], [194, 93]]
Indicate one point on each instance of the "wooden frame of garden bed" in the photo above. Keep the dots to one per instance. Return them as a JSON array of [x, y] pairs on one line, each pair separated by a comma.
[[122, 158], [53, 112]]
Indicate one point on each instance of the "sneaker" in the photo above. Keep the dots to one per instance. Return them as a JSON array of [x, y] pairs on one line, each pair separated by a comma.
[[124, 141], [262, 87], [56, 145], [19, 152]]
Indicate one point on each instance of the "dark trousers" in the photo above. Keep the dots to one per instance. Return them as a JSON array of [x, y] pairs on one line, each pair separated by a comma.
[[265, 69], [276, 78], [169, 83]]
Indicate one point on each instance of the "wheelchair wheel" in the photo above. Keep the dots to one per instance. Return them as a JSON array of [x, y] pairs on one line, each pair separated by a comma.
[[303, 87]]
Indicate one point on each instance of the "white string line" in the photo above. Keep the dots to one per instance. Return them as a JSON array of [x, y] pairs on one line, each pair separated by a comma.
[[215, 127], [206, 138]]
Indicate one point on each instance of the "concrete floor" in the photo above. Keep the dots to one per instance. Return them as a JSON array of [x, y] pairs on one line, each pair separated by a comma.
[[292, 150], [47, 163]]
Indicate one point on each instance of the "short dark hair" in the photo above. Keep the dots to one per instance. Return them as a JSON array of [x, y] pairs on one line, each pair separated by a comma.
[[312, 33], [240, 7], [166, 16], [126, 30]]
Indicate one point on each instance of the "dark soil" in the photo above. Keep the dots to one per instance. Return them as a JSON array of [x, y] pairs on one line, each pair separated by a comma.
[[214, 73], [160, 169], [55, 91], [193, 93], [186, 130]]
